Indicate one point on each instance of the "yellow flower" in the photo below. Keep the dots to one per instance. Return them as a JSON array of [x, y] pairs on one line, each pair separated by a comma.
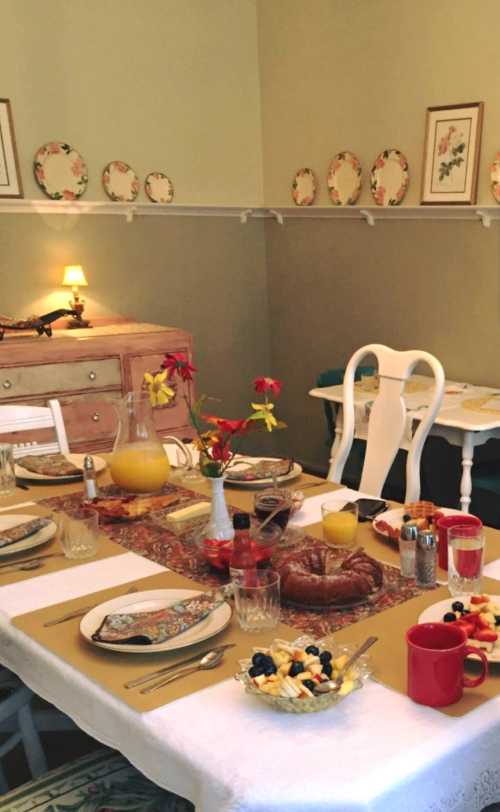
[[159, 392], [264, 411]]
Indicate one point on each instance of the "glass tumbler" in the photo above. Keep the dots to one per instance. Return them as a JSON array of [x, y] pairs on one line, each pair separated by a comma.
[[7, 472], [257, 599], [465, 559], [79, 535], [274, 500]]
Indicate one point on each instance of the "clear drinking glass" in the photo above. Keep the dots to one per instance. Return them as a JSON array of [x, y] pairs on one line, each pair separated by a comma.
[[257, 599], [7, 473], [274, 500], [79, 535], [465, 559], [340, 521]]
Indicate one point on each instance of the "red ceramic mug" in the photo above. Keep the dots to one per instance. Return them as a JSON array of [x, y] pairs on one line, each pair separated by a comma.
[[443, 525], [436, 654]]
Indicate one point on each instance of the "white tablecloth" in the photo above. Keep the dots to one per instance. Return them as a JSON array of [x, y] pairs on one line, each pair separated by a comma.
[[226, 752]]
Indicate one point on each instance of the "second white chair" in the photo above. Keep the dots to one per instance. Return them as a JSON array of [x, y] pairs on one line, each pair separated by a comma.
[[387, 419], [24, 418]]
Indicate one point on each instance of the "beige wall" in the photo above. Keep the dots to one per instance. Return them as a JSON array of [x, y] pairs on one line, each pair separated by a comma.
[[168, 85], [359, 75]]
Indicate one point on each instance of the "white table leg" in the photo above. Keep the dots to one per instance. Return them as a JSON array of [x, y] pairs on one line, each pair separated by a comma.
[[467, 459], [338, 435]]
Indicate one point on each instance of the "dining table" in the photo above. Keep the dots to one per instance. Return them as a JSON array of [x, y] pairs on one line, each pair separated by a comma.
[[469, 416], [224, 750]]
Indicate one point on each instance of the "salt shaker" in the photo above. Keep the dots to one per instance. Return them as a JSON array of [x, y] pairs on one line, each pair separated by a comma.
[[407, 549], [426, 559], [89, 477]]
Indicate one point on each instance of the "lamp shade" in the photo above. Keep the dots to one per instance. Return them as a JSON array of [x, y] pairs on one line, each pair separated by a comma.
[[74, 276]]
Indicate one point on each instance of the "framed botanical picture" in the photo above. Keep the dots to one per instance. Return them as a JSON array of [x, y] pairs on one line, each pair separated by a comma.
[[451, 154], [10, 177]]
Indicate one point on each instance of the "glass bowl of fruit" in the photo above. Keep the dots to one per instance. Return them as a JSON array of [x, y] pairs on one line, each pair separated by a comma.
[[288, 676], [218, 553]]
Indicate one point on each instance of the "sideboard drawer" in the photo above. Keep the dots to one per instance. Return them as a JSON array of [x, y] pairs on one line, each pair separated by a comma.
[[42, 379], [91, 418]]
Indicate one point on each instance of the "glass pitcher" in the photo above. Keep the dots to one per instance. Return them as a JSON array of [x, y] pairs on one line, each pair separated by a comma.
[[139, 463]]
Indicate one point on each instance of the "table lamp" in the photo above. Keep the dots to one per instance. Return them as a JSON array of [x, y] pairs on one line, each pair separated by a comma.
[[75, 278]]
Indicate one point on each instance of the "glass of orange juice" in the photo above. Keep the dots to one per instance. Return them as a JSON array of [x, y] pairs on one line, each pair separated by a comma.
[[339, 520]]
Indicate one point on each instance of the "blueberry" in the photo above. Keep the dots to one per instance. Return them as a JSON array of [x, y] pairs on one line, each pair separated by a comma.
[[312, 650], [269, 669], [325, 657], [449, 617], [457, 606], [309, 683], [296, 668], [327, 669], [497, 620], [256, 670], [259, 658]]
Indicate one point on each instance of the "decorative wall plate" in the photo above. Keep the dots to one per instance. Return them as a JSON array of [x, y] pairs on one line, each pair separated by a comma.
[[120, 182], [304, 187], [344, 179], [159, 188], [495, 178], [389, 178], [60, 171]]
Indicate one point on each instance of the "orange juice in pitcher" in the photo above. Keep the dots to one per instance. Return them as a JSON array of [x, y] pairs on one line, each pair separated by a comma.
[[139, 463]]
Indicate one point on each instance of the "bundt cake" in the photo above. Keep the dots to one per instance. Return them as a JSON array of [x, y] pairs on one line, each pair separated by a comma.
[[315, 577]]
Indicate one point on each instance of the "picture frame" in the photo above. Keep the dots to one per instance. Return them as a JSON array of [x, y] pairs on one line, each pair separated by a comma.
[[451, 154], [10, 176]]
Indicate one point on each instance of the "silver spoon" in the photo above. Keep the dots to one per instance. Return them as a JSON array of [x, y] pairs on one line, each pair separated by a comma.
[[210, 660], [335, 684], [29, 565]]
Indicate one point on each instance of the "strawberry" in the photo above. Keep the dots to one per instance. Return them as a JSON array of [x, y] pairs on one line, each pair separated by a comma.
[[479, 599], [483, 621], [485, 635]]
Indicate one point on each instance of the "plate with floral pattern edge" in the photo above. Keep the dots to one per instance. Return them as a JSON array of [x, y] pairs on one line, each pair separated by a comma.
[[495, 177], [60, 171], [34, 540], [304, 187], [389, 179], [120, 182], [159, 188], [76, 459], [344, 179], [265, 482], [150, 601]]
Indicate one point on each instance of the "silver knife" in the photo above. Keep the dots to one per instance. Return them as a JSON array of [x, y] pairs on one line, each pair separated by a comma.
[[152, 674], [32, 558]]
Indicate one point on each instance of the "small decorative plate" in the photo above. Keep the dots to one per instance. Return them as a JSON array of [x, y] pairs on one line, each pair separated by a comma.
[[389, 178], [495, 178], [120, 182], [344, 179], [159, 188], [60, 171], [304, 187]]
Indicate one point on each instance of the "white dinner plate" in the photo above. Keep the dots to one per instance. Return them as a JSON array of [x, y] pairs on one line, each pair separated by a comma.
[[261, 483], [150, 601], [76, 459], [435, 613], [394, 518], [43, 535]]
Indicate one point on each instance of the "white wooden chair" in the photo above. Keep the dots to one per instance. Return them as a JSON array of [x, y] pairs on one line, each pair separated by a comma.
[[17, 720], [23, 418], [387, 420]]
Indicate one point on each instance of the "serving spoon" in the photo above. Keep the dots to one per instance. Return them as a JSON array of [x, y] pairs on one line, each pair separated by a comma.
[[210, 660], [333, 685]]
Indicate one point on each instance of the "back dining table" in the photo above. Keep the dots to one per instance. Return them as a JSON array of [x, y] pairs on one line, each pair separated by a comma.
[[219, 747]]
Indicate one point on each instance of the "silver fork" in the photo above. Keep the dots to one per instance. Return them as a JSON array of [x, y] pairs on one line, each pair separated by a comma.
[[78, 612]]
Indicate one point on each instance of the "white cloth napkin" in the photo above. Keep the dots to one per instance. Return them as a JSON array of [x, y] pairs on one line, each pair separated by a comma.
[[310, 512]]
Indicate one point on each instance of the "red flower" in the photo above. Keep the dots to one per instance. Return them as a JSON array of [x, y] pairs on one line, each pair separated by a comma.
[[227, 426], [177, 362], [220, 451], [267, 385]]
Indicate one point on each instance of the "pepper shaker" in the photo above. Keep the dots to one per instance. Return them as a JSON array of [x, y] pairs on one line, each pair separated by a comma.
[[426, 559], [89, 478]]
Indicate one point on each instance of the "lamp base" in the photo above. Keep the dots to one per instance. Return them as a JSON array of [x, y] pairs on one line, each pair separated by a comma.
[[78, 323]]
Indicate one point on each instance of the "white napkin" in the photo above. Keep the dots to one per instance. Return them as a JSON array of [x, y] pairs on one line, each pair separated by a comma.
[[310, 512]]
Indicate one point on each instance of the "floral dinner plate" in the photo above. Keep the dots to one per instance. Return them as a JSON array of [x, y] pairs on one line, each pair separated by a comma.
[[159, 188], [60, 171], [304, 187], [344, 179], [149, 601], [120, 182], [495, 178], [389, 178], [76, 459], [42, 536]]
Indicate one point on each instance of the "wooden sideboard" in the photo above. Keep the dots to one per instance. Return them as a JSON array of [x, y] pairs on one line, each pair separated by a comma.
[[89, 371]]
